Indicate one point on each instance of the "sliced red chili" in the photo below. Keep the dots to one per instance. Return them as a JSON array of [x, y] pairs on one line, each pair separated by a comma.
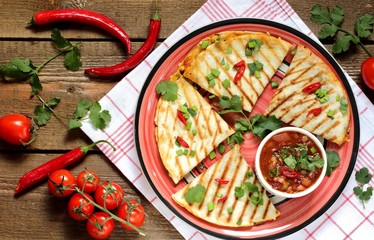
[[288, 172], [222, 199], [221, 181], [312, 87], [181, 117], [240, 72], [182, 142], [314, 111]]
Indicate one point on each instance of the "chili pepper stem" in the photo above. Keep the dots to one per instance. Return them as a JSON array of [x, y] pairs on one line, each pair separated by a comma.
[[85, 149], [156, 16], [115, 217]]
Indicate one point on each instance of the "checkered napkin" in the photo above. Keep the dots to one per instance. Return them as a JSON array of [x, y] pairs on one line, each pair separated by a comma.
[[346, 219]]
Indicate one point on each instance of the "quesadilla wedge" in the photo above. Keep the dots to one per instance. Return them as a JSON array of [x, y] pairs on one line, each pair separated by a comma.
[[231, 194], [312, 97], [187, 129], [235, 63]]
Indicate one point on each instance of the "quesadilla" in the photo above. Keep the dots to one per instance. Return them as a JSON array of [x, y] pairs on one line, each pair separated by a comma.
[[187, 129], [312, 97], [235, 63], [228, 194]]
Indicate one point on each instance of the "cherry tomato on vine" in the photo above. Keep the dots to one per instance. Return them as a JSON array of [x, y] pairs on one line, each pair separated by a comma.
[[88, 181], [100, 225], [109, 195], [61, 183], [79, 208], [367, 72], [132, 212], [15, 129]]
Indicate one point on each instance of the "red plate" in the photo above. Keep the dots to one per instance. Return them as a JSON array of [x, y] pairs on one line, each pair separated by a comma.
[[295, 213]]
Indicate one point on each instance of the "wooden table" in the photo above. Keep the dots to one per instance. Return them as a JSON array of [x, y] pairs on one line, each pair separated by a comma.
[[37, 214]]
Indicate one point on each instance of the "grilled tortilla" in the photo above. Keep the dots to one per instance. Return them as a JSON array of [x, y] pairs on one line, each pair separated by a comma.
[[206, 131], [234, 168], [224, 50], [291, 105]]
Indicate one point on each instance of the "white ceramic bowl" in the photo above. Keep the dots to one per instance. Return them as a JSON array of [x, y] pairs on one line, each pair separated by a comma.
[[267, 186]]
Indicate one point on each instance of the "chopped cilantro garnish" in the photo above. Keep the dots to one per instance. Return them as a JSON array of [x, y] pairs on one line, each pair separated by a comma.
[[252, 45], [239, 222], [250, 174], [221, 148], [255, 67], [195, 194], [343, 105]]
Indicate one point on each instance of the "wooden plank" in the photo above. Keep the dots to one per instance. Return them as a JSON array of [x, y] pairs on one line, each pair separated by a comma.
[[38, 215]]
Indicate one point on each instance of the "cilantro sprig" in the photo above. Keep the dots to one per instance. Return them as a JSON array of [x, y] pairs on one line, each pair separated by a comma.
[[363, 177], [332, 19], [24, 69], [333, 161], [195, 194], [168, 90], [89, 110]]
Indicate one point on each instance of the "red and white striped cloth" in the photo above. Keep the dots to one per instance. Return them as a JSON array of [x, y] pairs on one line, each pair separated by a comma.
[[345, 219]]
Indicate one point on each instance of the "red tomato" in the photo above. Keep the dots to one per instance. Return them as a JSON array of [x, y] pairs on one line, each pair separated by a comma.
[[109, 195], [79, 208], [15, 128], [61, 183], [88, 181], [100, 225], [367, 72], [132, 212]]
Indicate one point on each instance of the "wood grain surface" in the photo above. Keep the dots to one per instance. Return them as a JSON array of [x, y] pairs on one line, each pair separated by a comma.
[[37, 215]]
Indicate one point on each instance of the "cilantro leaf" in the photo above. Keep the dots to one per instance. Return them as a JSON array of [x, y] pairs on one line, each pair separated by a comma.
[[239, 191], [363, 176], [59, 41], [290, 161], [35, 84], [319, 15], [195, 194], [98, 118], [364, 26], [333, 160], [230, 105], [343, 43], [42, 115], [337, 15], [237, 137], [327, 31], [82, 108], [24, 65], [262, 125], [73, 59], [17, 69], [168, 89]]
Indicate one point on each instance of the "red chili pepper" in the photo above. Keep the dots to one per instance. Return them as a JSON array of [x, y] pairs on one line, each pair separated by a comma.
[[40, 173], [241, 68], [222, 199], [83, 16], [314, 111], [222, 181], [312, 87], [181, 117], [182, 142], [138, 57], [288, 172]]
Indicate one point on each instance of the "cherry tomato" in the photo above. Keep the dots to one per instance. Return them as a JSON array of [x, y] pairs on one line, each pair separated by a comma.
[[109, 195], [15, 128], [367, 72], [79, 208], [88, 181], [132, 212], [61, 183], [100, 225]]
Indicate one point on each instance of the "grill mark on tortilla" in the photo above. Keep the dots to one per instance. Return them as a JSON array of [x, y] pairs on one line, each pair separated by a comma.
[[171, 143], [246, 203], [256, 206], [266, 209], [331, 127], [208, 185], [312, 104]]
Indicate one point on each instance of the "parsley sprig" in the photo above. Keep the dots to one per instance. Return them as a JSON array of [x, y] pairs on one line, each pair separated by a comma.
[[332, 19], [363, 177]]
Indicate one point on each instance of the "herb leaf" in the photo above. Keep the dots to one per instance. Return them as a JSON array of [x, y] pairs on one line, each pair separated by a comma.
[[35, 84], [59, 42], [262, 125], [195, 194], [363, 176], [230, 105], [333, 160], [43, 112], [73, 59], [99, 118], [364, 26], [168, 89]]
